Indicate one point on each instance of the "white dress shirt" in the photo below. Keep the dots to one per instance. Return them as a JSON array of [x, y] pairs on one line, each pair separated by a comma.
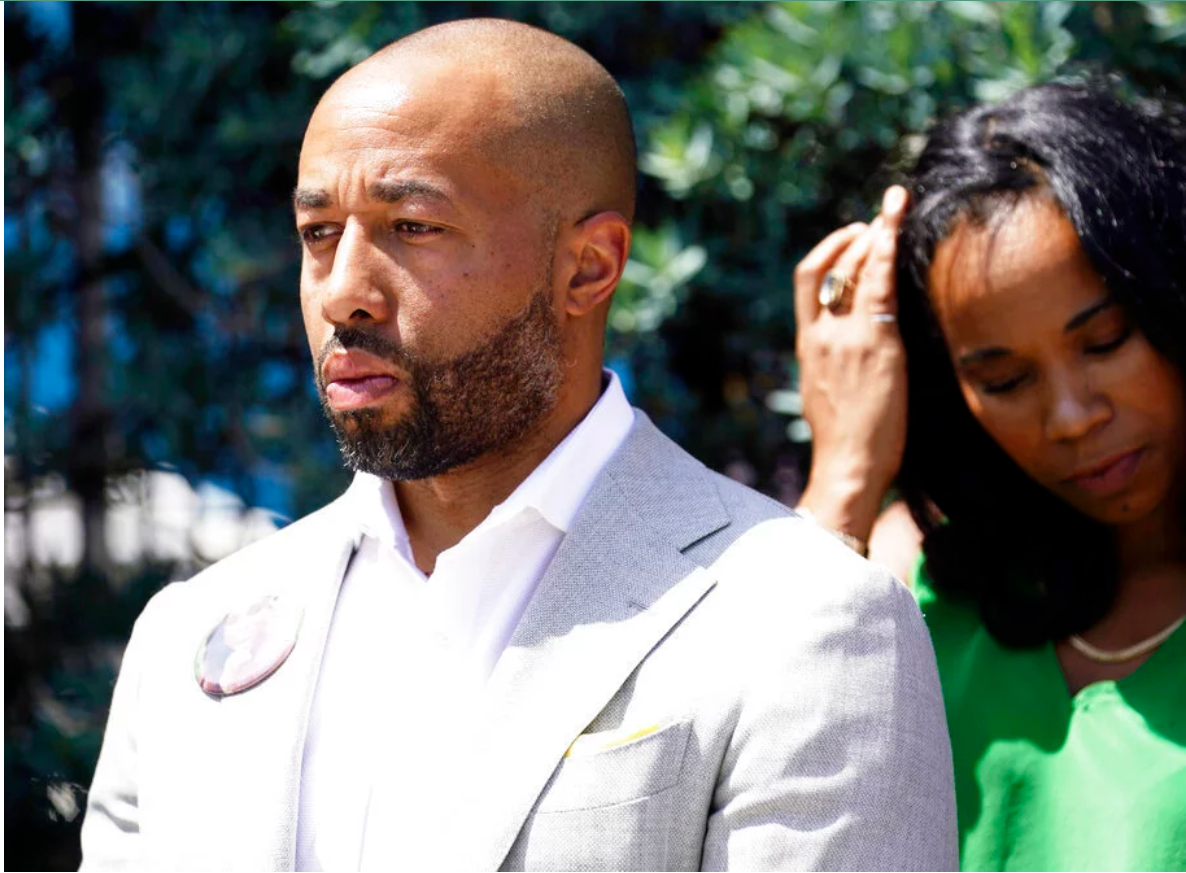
[[407, 655]]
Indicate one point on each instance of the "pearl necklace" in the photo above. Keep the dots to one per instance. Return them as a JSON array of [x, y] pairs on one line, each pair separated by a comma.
[[1134, 651]]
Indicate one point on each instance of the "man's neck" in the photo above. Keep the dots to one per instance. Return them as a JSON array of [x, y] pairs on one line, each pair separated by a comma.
[[439, 512]]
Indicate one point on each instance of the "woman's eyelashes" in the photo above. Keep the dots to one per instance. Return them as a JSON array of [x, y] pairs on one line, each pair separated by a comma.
[[996, 371], [1109, 343], [1103, 340], [1003, 386]]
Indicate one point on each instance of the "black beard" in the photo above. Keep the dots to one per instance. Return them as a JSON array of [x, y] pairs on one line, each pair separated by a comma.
[[479, 402]]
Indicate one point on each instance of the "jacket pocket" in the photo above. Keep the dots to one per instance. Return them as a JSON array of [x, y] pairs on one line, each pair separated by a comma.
[[606, 769]]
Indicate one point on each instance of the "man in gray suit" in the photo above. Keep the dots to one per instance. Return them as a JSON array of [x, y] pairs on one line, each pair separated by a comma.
[[534, 633]]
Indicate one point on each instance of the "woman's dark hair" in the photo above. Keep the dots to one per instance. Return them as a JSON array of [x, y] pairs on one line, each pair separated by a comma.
[[1037, 569]]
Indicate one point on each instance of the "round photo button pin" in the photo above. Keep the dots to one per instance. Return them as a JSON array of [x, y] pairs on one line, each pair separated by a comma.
[[247, 646]]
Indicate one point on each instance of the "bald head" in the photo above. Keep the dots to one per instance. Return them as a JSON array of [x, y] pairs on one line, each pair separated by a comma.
[[536, 104], [464, 199]]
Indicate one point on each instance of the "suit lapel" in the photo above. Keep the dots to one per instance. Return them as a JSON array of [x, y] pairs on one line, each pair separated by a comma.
[[272, 719], [320, 600], [617, 586]]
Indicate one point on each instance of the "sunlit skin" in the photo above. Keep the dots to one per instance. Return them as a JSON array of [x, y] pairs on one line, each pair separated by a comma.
[[1061, 379], [414, 226]]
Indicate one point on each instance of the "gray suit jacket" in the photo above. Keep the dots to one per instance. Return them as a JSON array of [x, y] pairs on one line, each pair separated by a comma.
[[702, 680]]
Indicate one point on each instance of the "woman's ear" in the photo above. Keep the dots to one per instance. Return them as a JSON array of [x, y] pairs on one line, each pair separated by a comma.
[[600, 245]]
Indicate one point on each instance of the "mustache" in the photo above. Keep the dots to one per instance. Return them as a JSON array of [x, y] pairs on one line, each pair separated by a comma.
[[365, 341]]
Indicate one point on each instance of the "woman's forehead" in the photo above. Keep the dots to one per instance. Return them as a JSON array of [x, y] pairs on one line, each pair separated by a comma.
[[1023, 261]]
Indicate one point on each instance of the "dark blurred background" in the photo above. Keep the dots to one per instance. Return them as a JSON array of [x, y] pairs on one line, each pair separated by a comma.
[[158, 402]]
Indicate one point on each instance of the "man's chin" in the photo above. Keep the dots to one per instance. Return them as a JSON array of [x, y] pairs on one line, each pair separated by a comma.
[[395, 466], [357, 421], [398, 452]]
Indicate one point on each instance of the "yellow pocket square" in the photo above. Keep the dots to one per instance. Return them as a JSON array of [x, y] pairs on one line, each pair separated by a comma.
[[587, 744]]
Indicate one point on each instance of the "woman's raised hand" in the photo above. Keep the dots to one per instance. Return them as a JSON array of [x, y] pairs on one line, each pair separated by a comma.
[[852, 369]]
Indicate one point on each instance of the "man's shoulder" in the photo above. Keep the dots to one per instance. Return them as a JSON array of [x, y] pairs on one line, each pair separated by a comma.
[[757, 548], [322, 529], [270, 565], [650, 461], [797, 559], [745, 504]]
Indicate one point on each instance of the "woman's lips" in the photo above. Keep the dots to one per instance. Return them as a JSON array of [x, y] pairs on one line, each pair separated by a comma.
[[1110, 477], [346, 394]]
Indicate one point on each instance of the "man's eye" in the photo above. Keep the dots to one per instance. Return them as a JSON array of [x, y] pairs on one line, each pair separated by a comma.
[[416, 229], [315, 233]]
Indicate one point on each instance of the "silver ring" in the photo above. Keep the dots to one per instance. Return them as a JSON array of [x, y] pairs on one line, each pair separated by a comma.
[[883, 318], [834, 288]]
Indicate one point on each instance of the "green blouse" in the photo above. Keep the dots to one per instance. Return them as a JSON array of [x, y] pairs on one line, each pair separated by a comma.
[[1047, 781]]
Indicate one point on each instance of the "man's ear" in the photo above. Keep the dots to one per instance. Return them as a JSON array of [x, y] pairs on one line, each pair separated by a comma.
[[600, 246]]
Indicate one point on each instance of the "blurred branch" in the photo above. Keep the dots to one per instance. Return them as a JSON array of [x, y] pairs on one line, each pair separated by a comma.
[[168, 278]]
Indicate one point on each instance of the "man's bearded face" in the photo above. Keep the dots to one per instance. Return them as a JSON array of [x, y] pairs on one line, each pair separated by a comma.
[[478, 402]]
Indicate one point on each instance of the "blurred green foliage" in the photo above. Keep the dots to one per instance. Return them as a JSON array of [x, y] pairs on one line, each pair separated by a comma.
[[150, 151], [797, 121]]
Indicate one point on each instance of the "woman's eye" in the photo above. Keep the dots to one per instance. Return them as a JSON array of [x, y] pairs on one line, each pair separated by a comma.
[[1002, 386], [1108, 345]]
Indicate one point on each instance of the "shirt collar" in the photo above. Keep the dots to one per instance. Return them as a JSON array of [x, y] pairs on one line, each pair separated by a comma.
[[377, 511], [558, 486], [555, 489]]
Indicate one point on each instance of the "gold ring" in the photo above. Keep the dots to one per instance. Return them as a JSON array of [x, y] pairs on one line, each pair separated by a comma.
[[834, 289]]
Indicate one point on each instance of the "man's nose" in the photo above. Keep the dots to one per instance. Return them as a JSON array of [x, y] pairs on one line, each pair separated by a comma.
[[1074, 408], [355, 291]]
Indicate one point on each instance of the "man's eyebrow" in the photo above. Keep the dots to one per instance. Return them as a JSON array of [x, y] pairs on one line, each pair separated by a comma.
[[395, 191], [1087, 314], [383, 191], [310, 198]]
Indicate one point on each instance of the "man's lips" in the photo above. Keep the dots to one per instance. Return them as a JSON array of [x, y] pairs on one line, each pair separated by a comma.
[[1108, 476], [355, 379], [346, 394]]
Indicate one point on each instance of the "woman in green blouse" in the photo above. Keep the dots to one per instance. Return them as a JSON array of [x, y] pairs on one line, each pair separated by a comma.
[[1007, 343]]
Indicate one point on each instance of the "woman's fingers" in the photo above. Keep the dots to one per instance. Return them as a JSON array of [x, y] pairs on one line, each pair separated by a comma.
[[849, 264], [852, 370], [878, 299], [810, 271]]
